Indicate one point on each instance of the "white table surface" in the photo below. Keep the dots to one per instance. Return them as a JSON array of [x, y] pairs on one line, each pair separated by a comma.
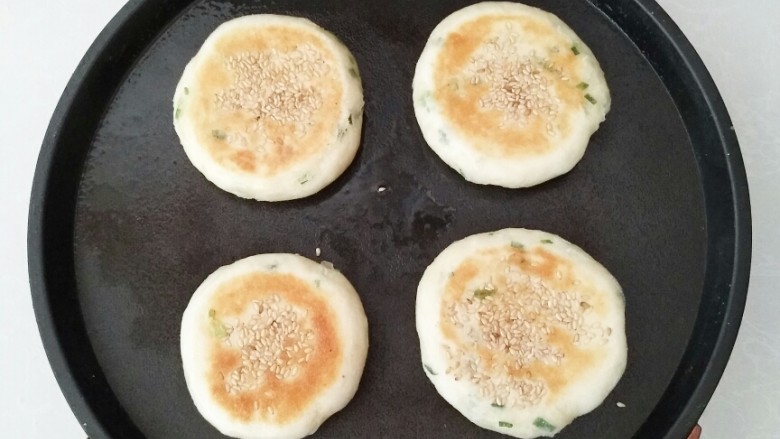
[[42, 41]]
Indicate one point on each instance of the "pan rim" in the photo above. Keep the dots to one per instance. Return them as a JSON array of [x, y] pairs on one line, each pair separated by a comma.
[[731, 309]]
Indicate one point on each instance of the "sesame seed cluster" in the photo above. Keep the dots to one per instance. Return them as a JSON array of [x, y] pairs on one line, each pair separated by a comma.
[[520, 84], [275, 86], [513, 321], [274, 342]]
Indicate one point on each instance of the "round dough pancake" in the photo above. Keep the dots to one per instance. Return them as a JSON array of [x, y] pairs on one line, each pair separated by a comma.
[[270, 108], [507, 94], [272, 345], [520, 330]]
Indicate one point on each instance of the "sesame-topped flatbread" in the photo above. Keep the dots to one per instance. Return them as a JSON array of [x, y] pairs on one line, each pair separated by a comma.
[[270, 108], [272, 345], [507, 94], [520, 330]]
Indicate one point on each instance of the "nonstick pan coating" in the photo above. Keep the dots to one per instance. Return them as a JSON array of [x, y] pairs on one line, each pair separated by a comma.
[[123, 228]]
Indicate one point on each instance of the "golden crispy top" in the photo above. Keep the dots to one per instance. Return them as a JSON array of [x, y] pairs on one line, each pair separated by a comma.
[[508, 84], [265, 98], [521, 323], [275, 347]]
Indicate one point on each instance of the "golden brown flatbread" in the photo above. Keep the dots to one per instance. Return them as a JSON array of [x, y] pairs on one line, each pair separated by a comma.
[[520, 330], [270, 108], [272, 345], [507, 94]]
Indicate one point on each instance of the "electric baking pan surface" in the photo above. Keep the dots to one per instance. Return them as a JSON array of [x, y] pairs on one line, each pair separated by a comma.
[[123, 228]]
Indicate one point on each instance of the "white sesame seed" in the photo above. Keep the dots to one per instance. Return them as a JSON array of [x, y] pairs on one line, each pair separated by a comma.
[[513, 322], [267, 84], [268, 339]]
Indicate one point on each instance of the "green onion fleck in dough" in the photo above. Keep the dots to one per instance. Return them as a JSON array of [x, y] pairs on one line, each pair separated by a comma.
[[498, 406], [483, 292], [504, 424], [428, 368], [543, 424], [424, 97], [186, 91], [516, 244], [575, 49], [582, 85], [177, 113], [217, 328], [217, 134], [546, 241], [590, 99]]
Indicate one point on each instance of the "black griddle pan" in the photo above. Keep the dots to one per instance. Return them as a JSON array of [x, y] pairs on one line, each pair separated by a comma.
[[122, 228]]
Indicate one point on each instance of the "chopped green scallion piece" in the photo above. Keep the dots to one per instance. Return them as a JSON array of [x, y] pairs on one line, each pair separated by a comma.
[[217, 134], [317, 283], [273, 266], [186, 91], [504, 424], [424, 98], [546, 241], [516, 244], [177, 113], [353, 72], [428, 368], [498, 406], [543, 424], [349, 120], [575, 49], [304, 179], [582, 85], [590, 99], [483, 292], [218, 329]]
